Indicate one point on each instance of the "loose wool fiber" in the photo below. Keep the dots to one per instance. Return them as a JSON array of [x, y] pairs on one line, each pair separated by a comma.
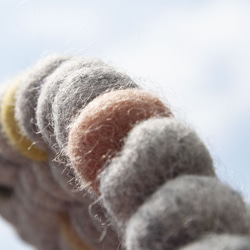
[[220, 242], [81, 87], [185, 209], [49, 90], [27, 96], [12, 130], [155, 151], [89, 223], [99, 130]]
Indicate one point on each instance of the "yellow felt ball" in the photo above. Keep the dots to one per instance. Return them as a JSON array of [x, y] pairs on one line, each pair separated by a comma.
[[11, 129]]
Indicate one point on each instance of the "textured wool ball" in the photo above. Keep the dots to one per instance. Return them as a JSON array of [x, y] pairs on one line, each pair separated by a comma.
[[28, 93], [219, 242], [155, 151], [49, 90], [98, 132], [11, 128], [9, 152], [183, 210], [81, 87]]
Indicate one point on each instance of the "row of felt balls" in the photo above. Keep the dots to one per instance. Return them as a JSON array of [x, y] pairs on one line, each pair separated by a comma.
[[77, 134]]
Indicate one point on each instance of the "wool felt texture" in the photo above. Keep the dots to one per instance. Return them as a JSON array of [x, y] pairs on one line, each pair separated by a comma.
[[156, 150], [218, 242], [184, 209], [85, 85], [7, 150], [98, 132], [158, 188], [12, 130], [28, 93]]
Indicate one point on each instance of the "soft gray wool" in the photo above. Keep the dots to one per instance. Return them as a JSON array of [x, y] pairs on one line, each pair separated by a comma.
[[27, 95], [50, 89], [154, 152], [78, 89], [220, 242], [183, 210]]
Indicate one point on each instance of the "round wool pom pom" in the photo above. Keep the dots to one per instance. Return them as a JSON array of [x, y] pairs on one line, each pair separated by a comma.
[[219, 242], [27, 96], [78, 89], [49, 90], [98, 132], [11, 129], [156, 150], [183, 210], [9, 152]]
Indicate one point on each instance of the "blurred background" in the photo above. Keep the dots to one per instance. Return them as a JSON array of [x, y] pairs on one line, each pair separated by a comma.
[[195, 55]]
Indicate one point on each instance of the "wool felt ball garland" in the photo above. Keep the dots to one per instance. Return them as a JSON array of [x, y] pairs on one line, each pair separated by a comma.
[[89, 160]]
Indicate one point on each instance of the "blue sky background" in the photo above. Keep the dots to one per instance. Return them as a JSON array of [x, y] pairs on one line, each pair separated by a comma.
[[193, 54]]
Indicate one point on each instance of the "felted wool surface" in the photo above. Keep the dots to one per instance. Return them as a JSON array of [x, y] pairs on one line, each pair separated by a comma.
[[156, 150], [218, 242], [184, 209], [11, 128], [98, 132], [28, 93], [89, 160]]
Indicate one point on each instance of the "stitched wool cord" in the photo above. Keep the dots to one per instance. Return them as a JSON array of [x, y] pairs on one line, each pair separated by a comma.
[[89, 160]]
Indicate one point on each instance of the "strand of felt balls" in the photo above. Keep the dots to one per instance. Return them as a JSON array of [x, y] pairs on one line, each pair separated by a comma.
[[153, 175]]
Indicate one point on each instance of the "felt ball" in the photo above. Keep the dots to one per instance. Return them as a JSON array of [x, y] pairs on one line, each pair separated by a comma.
[[11, 129], [91, 224], [78, 89], [27, 96], [183, 210], [49, 90], [98, 132], [155, 151], [8, 151], [219, 242]]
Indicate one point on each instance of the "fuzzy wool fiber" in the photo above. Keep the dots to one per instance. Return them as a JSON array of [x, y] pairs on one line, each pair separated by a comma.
[[90, 161]]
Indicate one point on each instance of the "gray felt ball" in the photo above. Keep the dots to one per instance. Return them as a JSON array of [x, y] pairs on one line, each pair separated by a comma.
[[27, 95], [50, 89], [78, 89], [220, 242], [183, 210], [155, 151]]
